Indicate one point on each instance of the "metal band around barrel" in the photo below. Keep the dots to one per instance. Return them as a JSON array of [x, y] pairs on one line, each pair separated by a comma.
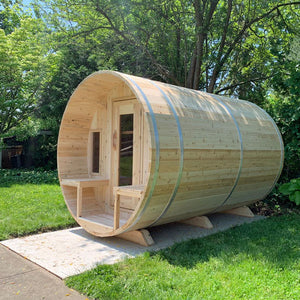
[[281, 147], [156, 154], [174, 192], [241, 151]]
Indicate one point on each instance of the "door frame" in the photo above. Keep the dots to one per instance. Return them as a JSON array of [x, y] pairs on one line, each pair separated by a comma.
[[119, 108], [122, 107]]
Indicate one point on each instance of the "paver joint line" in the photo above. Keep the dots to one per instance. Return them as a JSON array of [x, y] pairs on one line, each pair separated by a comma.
[[18, 274]]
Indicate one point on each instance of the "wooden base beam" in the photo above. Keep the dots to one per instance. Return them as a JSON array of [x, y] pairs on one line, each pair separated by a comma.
[[202, 222], [141, 237], [243, 211]]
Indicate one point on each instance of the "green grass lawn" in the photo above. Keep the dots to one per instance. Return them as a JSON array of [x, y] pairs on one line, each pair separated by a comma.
[[253, 261], [30, 202]]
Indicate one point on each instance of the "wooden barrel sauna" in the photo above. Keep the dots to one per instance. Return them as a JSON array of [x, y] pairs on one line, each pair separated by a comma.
[[134, 153]]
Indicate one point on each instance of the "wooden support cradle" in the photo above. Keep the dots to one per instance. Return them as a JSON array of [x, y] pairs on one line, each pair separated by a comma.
[[243, 211], [202, 221], [141, 237]]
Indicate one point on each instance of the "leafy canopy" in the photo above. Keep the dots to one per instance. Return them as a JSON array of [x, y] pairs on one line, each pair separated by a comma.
[[216, 45], [26, 63]]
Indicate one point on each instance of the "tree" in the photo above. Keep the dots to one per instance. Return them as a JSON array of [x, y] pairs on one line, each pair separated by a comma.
[[75, 64], [77, 61], [9, 16], [284, 106], [188, 43], [25, 66]]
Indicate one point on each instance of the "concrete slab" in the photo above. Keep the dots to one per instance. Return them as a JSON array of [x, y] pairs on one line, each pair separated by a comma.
[[72, 251]]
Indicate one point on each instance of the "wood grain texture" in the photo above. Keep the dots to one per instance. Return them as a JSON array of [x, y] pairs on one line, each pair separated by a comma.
[[194, 153]]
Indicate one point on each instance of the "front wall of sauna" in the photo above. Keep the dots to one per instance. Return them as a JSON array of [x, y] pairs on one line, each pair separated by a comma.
[[90, 109], [74, 138]]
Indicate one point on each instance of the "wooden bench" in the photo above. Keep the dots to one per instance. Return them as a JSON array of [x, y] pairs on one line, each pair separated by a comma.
[[81, 183], [135, 191]]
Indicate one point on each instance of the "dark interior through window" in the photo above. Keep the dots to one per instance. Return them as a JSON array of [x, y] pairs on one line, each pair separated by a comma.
[[126, 149], [96, 151]]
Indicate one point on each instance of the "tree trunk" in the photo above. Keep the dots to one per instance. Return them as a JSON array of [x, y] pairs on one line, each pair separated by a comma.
[[213, 80], [199, 59]]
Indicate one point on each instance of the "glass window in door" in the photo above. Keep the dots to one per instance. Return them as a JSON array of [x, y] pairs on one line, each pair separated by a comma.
[[126, 149]]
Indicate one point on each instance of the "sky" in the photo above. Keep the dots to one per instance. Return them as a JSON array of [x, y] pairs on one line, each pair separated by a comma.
[[26, 2]]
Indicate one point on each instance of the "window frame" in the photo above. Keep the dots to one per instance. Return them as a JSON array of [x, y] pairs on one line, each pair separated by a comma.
[[91, 152]]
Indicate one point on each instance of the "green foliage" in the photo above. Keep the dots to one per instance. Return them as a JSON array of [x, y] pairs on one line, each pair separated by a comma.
[[37, 176], [292, 189], [27, 128], [260, 260], [44, 155], [31, 202], [286, 113], [209, 45], [25, 67], [9, 16], [283, 104], [76, 62]]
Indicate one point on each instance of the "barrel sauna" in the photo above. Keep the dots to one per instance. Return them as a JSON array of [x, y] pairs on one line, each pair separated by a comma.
[[135, 153]]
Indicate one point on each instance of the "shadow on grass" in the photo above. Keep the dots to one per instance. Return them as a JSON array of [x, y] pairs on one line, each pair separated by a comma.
[[275, 240]]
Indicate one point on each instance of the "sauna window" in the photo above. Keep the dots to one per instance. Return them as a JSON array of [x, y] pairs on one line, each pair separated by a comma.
[[96, 152], [126, 149]]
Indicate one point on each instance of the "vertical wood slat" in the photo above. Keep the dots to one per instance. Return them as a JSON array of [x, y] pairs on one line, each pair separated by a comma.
[[79, 201], [117, 211]]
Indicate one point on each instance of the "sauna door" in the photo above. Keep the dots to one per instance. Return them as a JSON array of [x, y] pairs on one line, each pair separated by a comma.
[[126, 147]]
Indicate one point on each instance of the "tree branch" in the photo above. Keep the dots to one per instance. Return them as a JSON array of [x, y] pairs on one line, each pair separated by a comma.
[[221, 47], [242, 83], [202, 27], [257, 35], [238, 38], [165, 73], [90, 30]]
